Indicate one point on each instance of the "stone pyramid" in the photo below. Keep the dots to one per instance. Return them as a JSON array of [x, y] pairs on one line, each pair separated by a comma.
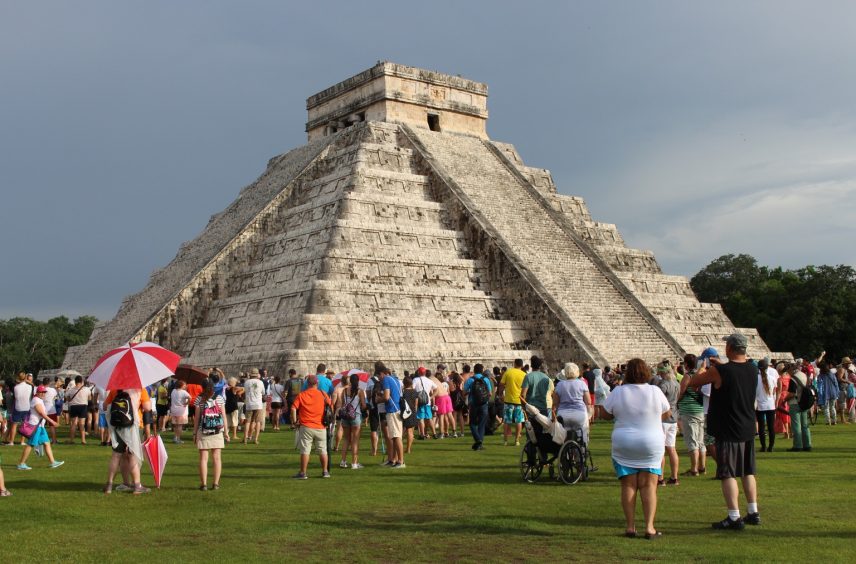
[[401, 232]]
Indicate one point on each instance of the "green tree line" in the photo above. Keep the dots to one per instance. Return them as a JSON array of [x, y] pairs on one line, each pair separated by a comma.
[[803, 311], [29, 346]]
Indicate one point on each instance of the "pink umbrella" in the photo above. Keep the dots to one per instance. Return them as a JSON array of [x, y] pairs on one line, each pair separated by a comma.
[[156, 456], [134, 366], [364, 377]]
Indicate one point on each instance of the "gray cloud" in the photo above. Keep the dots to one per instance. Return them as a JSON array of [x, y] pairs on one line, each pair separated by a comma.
[[698, 129]]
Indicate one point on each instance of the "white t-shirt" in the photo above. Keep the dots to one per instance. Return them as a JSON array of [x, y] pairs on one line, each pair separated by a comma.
[[637, 438], [35, 418], [764, 402], [254, 391], [276, 391], [424, 383], [50, 401], [78, 396], [179, 399], [23, 394]]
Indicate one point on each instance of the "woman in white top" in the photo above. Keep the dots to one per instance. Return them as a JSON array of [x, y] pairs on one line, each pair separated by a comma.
[[34, 429], [209, 432], [571, 400], [179, 399], [277, 399], [765, 403], [638, 442]]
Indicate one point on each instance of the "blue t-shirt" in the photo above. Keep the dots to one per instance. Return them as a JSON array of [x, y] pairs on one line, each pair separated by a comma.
[[324, 384], [468, 385], [392, 384]]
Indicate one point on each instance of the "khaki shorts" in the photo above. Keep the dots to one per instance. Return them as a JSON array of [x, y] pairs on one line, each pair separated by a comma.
[[308, 437], [393, 425], [256, 415]]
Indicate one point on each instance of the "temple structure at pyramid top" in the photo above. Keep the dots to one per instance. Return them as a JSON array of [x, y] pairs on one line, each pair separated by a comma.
[[401, 232], [400, 94]]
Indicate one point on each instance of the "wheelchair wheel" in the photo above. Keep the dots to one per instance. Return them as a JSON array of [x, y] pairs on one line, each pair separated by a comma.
[[572, 463], [529, 472]]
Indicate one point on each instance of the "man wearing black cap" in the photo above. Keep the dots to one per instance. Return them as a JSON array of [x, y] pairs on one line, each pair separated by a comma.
[[732, 423]]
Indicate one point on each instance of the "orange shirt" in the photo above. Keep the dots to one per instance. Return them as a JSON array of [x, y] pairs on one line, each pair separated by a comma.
[[310, 407], [140, 399], [194, 390]]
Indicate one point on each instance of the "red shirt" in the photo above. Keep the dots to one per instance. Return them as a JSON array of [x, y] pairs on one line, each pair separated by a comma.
[[310, 407]]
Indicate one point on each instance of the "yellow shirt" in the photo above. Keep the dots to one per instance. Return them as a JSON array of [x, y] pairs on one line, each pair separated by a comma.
[[512, 381]]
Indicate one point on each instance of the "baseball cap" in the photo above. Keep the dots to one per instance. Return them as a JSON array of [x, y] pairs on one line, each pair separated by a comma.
[[420, 371], [709, 352], [736, 341], [41, 390]]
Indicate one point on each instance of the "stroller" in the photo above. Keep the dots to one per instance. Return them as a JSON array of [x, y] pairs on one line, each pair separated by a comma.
[[552, 446]]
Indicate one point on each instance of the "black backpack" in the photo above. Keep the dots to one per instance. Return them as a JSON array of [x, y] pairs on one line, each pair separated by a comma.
[[121, 410], [329, 417], [422, 399], [479, 392], [806, 396]]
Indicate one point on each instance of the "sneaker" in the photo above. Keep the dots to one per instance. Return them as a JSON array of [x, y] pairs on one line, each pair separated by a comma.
[[141, 489], [398, 465], [57, 464], [504, 443], [356, 466], [300, 476], [728, 523], [752, 519], [23, 467], [516, 443], [124, 488], [325, 475], [661, 482], [203, 488], [386, 463], [343, 464]]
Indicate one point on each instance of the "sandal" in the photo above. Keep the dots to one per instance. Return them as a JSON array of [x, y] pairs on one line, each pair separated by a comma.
[[630, 534], [654, 535], [215, 487], [690, 473], [5, 493]]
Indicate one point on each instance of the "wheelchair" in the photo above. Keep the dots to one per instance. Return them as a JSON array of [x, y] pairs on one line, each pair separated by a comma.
[[569, 462]]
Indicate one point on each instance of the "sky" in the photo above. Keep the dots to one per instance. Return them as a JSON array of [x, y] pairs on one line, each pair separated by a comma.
[[700, 129]]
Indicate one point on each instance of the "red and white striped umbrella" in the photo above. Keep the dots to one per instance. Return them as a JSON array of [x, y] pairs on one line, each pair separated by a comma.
[[346, 374], [134, 366]]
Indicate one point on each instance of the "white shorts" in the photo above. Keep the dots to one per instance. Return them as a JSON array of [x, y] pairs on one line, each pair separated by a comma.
[[671, 431], [394, 425]]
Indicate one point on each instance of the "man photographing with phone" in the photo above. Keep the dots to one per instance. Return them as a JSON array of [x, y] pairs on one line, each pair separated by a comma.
[[731, 418]]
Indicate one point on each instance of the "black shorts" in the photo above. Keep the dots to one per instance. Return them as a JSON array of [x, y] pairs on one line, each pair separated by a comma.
[[375, 419], [77, 411], [120, 447], [163, 410], [735, 460], [276, 405]]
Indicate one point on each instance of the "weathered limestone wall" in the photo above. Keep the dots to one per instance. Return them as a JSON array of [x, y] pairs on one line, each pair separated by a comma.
[[398, 93], [589, 303]]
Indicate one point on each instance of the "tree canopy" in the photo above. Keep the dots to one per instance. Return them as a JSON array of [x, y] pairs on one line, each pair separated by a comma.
[[804, 311], [28, 345]]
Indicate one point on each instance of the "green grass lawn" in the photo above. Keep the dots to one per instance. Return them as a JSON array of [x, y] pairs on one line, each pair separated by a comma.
[[450, 503]]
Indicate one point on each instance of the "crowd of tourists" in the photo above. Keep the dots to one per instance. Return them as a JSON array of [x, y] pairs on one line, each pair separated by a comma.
[[717, 405]]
